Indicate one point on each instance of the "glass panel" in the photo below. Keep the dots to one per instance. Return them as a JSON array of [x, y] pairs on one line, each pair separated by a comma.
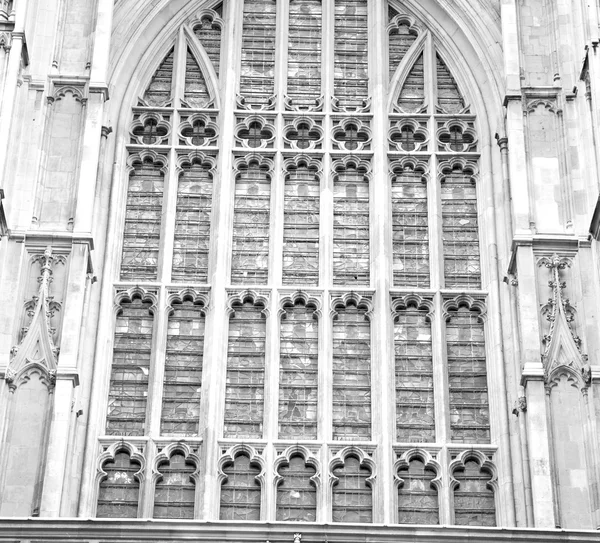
[[192, 224], [128, 392], [119, 492], [141, 237], [158, 92], [245, 390], [240, 493], [351, 68], [298, 374], [351, 375], [250, 259], [301, 230], [351, 245], [467, 375], [297, 494], [415, 415], [182, 385], [417, 499], [410, 230], [257, 83], [352, 497], [474, 503], [174, 494], [304, 61], [460, 231]]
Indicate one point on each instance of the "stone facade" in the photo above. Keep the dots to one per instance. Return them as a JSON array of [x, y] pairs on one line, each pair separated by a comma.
[[326, 262]]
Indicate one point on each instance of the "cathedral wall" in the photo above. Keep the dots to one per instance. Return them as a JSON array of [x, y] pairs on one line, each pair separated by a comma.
[[66, 140]]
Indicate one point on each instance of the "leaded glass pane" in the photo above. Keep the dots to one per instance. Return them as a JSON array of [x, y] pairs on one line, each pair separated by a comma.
[[118, 493], [297, 494], [174, 494], [304, 60], [257, 82], [298, 374], [351, 240], [240, 492], [143, 212], [245, 389], [415, 415], [474, 503], [182, 386], [410, 230], [351, 375], [352, 496], [462, 267], [250, 258], [417, 499], [351, 68], [128, 391], [467, 376]]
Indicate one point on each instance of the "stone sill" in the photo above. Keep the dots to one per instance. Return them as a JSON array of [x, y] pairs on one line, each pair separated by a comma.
[[42, 530]]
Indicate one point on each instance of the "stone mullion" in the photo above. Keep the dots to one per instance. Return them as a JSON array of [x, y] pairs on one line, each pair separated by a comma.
[[382, 403], [217, 319], [442, 405], [325, 415]]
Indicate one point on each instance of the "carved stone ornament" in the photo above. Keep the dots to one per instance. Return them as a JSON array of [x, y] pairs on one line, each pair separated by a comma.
[[37, 350], [562, 345]]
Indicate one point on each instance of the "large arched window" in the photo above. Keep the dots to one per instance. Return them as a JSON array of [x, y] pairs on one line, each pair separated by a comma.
[[271, 163]]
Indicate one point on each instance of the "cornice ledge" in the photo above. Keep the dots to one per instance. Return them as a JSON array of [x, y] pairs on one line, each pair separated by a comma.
[[532, 371], [563, 244], [512, 96], [58, 240], [68, 374], [99, 87]]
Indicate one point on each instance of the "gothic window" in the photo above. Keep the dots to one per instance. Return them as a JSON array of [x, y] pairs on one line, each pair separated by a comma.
[[352, 493], [474, 503], [401, 37], [351, 374], [415, 415], [192, 221], [410, 223], [251, 224], [257, 79], [296, 492], [174, 493], [128, 392], [351, 246], [141, 238], [412, 96], [119, 490], [208, 32], [304, 62], [301, 225], [460, 226], [241, 491], [195, 93], [245, 389], [449, 97], [298, 373], [351, 69], [417, 497], [182, 383], [158, 92], [467, 377]]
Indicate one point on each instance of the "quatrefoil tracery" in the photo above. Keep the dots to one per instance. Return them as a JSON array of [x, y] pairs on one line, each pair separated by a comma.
[[303, 133], [255, 133], [408, 136], [352, 135], [198, 130], [457, 136], [150, 129]]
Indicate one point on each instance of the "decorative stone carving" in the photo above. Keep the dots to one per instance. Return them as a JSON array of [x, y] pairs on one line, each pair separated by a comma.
[[37, 350], [562, 344]]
